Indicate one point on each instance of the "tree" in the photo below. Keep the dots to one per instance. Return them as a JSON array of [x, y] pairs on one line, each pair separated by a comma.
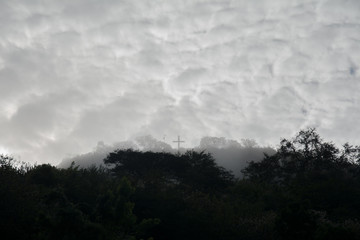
[[195, 169], [305, 154]]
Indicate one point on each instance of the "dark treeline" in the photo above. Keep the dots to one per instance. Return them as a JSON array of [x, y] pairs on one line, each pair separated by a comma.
[[308, 189], [230, 154]]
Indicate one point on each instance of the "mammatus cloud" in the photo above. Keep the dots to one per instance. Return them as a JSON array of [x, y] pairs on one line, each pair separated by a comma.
[[73, 73]]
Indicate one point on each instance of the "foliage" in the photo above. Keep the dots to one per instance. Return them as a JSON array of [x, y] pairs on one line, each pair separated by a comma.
[[191, 170], [45, 202], [309, 189], [304, 156], [315, 176]]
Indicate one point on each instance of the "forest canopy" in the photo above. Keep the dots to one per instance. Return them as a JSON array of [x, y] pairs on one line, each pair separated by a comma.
[[307, 189]]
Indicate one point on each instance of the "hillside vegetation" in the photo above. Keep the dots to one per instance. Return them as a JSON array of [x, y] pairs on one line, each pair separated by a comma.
[[308, 189]]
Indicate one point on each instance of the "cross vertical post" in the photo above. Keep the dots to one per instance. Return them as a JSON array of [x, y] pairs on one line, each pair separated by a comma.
[[178, 142]]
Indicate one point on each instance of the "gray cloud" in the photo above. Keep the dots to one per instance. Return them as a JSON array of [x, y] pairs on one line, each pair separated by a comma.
[[73, 73]]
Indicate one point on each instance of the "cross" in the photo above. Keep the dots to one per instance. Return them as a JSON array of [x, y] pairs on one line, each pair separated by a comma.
[[178, 142]]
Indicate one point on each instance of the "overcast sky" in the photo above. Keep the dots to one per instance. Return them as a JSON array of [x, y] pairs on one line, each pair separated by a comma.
[[76, 72]]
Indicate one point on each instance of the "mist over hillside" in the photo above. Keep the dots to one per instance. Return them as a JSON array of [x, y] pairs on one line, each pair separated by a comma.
[[228, 153], [157, 120]]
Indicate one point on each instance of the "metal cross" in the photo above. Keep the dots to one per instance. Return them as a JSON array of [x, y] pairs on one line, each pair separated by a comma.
[[178, 142]]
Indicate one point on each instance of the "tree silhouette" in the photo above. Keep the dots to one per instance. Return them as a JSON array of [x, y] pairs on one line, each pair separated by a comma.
[[309, 189], [305, 154], [195, 169]]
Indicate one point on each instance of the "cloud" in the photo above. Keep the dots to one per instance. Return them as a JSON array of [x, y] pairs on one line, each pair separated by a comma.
[[73, 73]]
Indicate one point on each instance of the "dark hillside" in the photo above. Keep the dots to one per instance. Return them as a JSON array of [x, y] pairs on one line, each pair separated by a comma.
[[308, 189]]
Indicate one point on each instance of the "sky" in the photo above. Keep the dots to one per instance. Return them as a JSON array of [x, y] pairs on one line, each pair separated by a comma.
[[77, 72]]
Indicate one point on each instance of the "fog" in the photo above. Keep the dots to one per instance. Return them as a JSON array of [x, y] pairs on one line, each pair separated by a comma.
[[230, 154]]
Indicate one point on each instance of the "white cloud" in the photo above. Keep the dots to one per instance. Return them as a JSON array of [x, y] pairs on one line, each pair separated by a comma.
[[73, 73]]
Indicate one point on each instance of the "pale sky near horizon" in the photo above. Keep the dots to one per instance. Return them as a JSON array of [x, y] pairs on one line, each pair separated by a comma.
[[76, 72]]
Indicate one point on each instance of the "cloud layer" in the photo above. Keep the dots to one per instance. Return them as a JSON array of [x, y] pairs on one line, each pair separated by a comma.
[[73, 73]]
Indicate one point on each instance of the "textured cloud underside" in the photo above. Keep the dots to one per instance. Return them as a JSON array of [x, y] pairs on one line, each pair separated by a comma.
[[73, 73]]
